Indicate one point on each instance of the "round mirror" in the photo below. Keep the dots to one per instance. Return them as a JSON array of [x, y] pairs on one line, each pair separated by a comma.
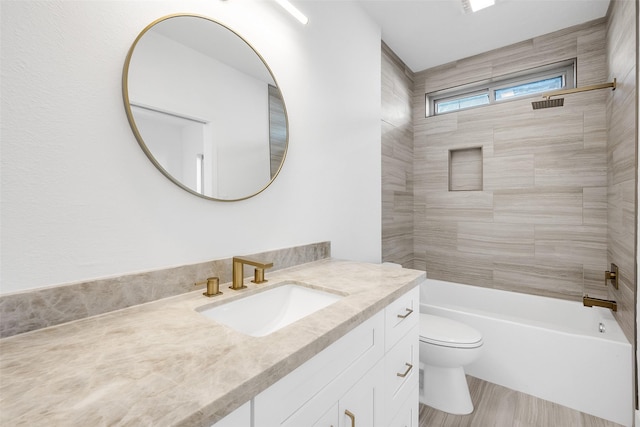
[[205, 107]]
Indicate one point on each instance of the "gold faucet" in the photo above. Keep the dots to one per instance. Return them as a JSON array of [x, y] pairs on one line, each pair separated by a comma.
[[588, 301], [238, 271]]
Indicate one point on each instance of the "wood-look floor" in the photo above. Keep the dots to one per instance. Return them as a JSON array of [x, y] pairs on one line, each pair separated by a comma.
[[497, 406]]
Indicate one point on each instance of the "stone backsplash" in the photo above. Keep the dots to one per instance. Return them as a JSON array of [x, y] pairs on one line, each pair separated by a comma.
[[35, 309]]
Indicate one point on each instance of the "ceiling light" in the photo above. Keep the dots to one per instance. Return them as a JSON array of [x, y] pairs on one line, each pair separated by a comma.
[[470, 6], [286, 5]]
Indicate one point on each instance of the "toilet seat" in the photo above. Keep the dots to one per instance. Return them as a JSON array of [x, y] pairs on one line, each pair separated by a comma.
[[445, 332]]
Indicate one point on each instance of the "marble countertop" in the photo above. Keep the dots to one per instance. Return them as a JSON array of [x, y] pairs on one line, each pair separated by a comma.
[[162, 363]]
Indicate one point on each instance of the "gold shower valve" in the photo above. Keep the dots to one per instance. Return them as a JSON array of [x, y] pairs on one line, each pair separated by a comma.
[[612, 276]]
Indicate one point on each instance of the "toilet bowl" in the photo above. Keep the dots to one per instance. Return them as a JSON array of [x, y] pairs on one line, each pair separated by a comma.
[[446, 346]]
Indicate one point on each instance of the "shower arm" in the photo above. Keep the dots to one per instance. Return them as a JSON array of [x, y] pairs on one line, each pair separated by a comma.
[[612, 85]]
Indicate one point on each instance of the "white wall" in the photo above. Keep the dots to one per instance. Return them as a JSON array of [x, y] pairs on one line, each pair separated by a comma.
[[80, 200]]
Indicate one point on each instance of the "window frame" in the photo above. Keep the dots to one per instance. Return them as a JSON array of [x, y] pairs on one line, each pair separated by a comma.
[[460, 96], [566, 69]]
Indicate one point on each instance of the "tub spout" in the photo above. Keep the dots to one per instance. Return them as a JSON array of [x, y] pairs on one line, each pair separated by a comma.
[[588, 301]]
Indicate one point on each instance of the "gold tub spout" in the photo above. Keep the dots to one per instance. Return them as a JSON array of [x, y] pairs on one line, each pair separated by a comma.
[[588, 301]]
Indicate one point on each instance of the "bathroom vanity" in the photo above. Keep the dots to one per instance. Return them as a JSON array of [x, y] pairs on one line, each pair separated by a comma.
[[368, 377], [353, 362], [364, 378]]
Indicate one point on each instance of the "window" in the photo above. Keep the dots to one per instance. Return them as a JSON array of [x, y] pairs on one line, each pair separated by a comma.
[[524, 84], [460, 103], [524, 89]]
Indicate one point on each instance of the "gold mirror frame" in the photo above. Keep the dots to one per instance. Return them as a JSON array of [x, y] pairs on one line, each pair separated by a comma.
[[145, 147]]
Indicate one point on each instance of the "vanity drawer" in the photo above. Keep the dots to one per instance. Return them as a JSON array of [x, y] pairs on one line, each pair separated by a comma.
[[400, 316], [401, 373]]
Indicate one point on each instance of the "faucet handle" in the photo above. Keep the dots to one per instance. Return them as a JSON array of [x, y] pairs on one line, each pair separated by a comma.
[[612, 276], [213, 287], [258, 276]]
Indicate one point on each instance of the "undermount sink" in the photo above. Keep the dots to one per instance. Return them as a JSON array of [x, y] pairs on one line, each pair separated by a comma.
[[265, 312]]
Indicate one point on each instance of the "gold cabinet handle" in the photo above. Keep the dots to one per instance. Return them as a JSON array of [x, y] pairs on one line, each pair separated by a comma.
[[404, 316], [350, 415], [410, 367]]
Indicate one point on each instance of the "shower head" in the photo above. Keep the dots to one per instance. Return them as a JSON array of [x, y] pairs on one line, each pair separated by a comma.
[[559, 102], [548, 103]]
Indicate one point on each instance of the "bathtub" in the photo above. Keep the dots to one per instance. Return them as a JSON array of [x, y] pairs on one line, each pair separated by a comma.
[[553, 349]]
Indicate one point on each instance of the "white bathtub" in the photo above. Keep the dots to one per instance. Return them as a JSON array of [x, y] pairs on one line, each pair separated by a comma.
[[545, 347]]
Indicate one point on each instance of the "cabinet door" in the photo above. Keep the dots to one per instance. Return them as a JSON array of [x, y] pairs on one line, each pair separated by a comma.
[[408, 414], [360, 406], [303, 396], [401, 374], [330, 419]]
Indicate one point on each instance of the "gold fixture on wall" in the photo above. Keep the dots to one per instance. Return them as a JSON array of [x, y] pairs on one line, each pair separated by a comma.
[[612, 276], [548, 102]]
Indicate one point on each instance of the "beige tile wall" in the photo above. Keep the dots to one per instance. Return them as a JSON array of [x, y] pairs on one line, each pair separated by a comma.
[[622, 156], [540, 223], [397, 160], [558, 203]]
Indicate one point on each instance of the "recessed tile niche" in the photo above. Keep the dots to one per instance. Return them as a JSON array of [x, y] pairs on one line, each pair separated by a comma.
[[465, 169]]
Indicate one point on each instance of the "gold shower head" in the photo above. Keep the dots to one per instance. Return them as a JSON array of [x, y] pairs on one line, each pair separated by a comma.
[[548, 103], [559, 102]]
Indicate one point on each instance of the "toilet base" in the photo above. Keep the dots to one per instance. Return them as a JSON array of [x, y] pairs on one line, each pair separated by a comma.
[[446, 389]]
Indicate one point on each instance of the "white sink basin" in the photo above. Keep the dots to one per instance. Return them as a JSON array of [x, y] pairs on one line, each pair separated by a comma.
[[263, 313]]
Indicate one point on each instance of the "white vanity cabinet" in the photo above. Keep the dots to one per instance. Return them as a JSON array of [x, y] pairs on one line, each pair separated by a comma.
[[241, 417], [369, 376]]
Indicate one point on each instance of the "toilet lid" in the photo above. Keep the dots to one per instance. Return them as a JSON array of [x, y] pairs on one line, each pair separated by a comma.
[[448, 332]]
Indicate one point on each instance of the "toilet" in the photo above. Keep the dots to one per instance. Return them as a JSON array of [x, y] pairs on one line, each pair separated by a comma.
[[446, 346]]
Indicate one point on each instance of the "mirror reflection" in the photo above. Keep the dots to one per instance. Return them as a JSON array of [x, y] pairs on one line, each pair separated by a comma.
[[205, 107]]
